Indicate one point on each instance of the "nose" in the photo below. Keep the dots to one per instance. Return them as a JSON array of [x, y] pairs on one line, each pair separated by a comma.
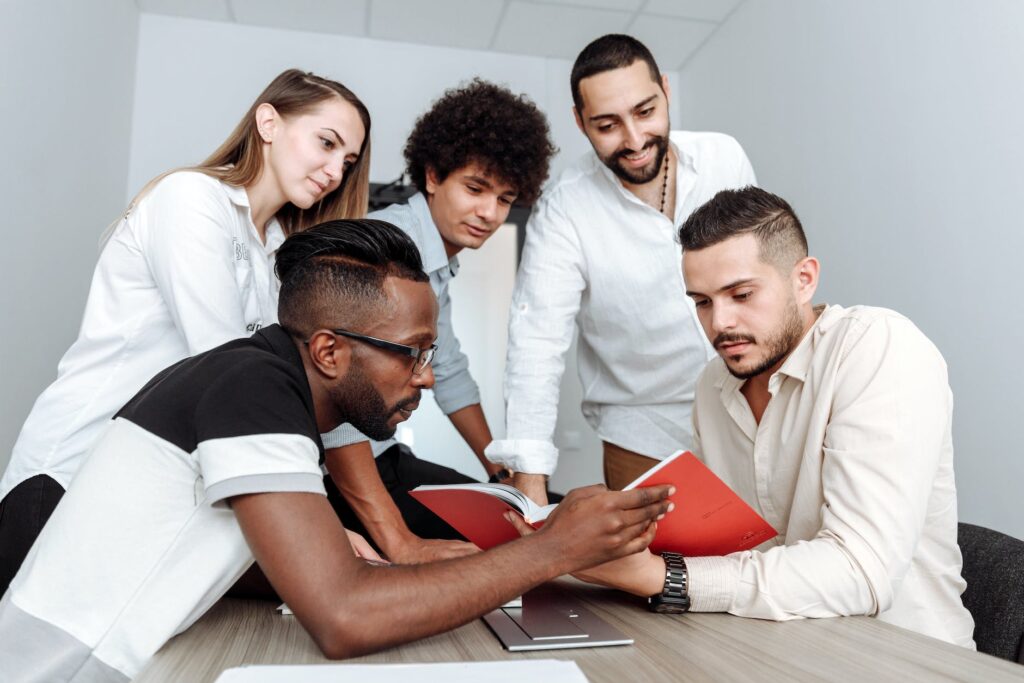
[[634, 137], [335, 170], [723, 318], [424, 380], [487, 209]]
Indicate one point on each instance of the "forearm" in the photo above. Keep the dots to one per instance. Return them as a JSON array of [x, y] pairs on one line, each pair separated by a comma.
[[814, 579], [354, 471], [484, 582], [472, 425]]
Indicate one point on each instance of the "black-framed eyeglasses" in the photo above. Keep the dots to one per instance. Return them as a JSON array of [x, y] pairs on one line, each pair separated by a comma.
[[423, 356]]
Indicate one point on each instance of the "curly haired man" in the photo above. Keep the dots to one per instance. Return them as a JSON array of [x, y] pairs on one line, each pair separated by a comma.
[[476, 151]]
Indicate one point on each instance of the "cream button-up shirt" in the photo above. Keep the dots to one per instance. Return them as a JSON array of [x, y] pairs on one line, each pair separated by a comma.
[[852, 463]]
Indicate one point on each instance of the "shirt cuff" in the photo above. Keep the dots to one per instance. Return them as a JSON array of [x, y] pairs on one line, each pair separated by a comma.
[[711, 583], [528, 456]]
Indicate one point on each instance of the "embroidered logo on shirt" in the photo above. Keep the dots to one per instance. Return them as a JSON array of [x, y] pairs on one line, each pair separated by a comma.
[[253, 327], [241, 250]]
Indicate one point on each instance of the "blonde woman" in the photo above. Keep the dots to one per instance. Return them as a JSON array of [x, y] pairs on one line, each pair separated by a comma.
[[189, 266]]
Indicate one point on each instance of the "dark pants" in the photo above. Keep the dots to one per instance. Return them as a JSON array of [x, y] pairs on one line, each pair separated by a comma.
[[23, 513], [401, 471]]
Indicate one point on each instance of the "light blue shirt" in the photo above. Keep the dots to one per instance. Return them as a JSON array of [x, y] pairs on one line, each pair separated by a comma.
[[454, 387]]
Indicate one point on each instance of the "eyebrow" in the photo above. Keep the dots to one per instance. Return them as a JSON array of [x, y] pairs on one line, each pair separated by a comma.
[[726, 288], [639, 105], [480, 180], [341, 140]]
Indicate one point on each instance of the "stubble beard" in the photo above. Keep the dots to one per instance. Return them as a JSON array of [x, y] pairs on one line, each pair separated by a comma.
[[640, 176], [777, 346]]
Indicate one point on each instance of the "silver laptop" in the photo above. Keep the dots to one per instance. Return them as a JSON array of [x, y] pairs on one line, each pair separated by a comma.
[[551, 620]]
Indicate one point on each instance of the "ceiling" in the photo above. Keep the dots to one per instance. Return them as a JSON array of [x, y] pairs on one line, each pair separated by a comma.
[[672, 29]]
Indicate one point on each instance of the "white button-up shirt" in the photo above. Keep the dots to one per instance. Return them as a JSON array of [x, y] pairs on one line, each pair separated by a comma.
[[454, 387], [599, 260], [852, 463], [184, 272]]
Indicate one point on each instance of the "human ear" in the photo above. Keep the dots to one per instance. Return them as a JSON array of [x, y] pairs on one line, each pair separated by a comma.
[[329, 354], [432, 179], [579, 120], [665, 87], [266, 121], [805, 278]]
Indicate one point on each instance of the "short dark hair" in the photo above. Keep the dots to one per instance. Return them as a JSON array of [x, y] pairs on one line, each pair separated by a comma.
[[613, 51], [333, 274], [482, 123], [729, 213]]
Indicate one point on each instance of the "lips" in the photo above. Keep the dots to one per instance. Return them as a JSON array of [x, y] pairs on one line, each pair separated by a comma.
[[319, 188], [733, 348], [475, 231], [638, 159], [406, 411]]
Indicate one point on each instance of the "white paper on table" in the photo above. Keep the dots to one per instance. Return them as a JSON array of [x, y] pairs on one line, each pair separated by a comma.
[[509, 671]]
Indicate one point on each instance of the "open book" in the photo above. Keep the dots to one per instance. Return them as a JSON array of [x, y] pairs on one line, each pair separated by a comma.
[[708, 519]]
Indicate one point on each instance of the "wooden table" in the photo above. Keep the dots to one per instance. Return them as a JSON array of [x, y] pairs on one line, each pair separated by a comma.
[[691, 647]]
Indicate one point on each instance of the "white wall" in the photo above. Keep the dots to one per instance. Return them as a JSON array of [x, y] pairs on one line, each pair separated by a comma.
[[894, 129], [191, 90], [66, 77]]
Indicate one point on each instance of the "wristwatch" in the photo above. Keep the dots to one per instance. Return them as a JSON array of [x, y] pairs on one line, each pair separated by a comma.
[[674, 598], [500, 477]]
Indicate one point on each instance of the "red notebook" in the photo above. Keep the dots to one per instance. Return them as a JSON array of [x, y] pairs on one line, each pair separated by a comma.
[[708, 519]]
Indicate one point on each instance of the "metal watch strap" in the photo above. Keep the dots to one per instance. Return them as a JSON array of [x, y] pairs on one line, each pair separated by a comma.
[[674, 597]]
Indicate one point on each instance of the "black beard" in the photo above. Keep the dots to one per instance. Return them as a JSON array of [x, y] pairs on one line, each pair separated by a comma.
[[363, 407], [779, 345], [641, 175]]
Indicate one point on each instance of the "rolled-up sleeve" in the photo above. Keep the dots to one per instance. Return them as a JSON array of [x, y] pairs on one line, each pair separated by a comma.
[[545, 302], [890, 413]]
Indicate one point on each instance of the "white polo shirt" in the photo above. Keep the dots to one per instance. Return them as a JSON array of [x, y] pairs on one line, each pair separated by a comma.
[[184, 272], [143, 543]]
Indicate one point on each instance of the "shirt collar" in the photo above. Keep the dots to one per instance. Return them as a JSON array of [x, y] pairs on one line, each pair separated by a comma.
[[428, 238], [798, 364], [237, 194], [282, 344], [275, 233]]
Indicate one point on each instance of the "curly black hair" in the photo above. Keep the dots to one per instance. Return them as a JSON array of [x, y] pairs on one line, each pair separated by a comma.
[[482, 123]]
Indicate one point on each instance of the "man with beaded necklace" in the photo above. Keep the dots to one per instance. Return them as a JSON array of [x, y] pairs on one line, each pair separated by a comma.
[[601, 257]]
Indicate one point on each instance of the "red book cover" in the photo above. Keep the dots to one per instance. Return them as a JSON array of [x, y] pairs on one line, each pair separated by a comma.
[[709, 518], [475, 514]]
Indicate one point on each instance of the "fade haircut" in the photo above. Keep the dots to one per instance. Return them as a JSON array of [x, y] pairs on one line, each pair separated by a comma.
[[613, 51], [482, 123], [780, 237], [332, 275]]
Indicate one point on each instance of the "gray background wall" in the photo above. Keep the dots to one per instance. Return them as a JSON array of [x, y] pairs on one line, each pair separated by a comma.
[[893, 127], [67, 75]]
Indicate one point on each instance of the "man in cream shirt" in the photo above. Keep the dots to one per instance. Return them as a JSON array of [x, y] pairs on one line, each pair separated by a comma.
[[601, 257], [833, 423]]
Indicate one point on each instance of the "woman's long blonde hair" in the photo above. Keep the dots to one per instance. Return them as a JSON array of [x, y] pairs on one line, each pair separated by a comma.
[[239, 159]]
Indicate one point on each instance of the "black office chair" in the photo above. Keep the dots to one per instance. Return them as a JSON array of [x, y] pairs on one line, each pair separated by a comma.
[[994, 571]]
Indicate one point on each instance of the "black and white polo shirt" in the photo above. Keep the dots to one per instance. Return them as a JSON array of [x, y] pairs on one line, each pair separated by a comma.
[[143, 542]]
